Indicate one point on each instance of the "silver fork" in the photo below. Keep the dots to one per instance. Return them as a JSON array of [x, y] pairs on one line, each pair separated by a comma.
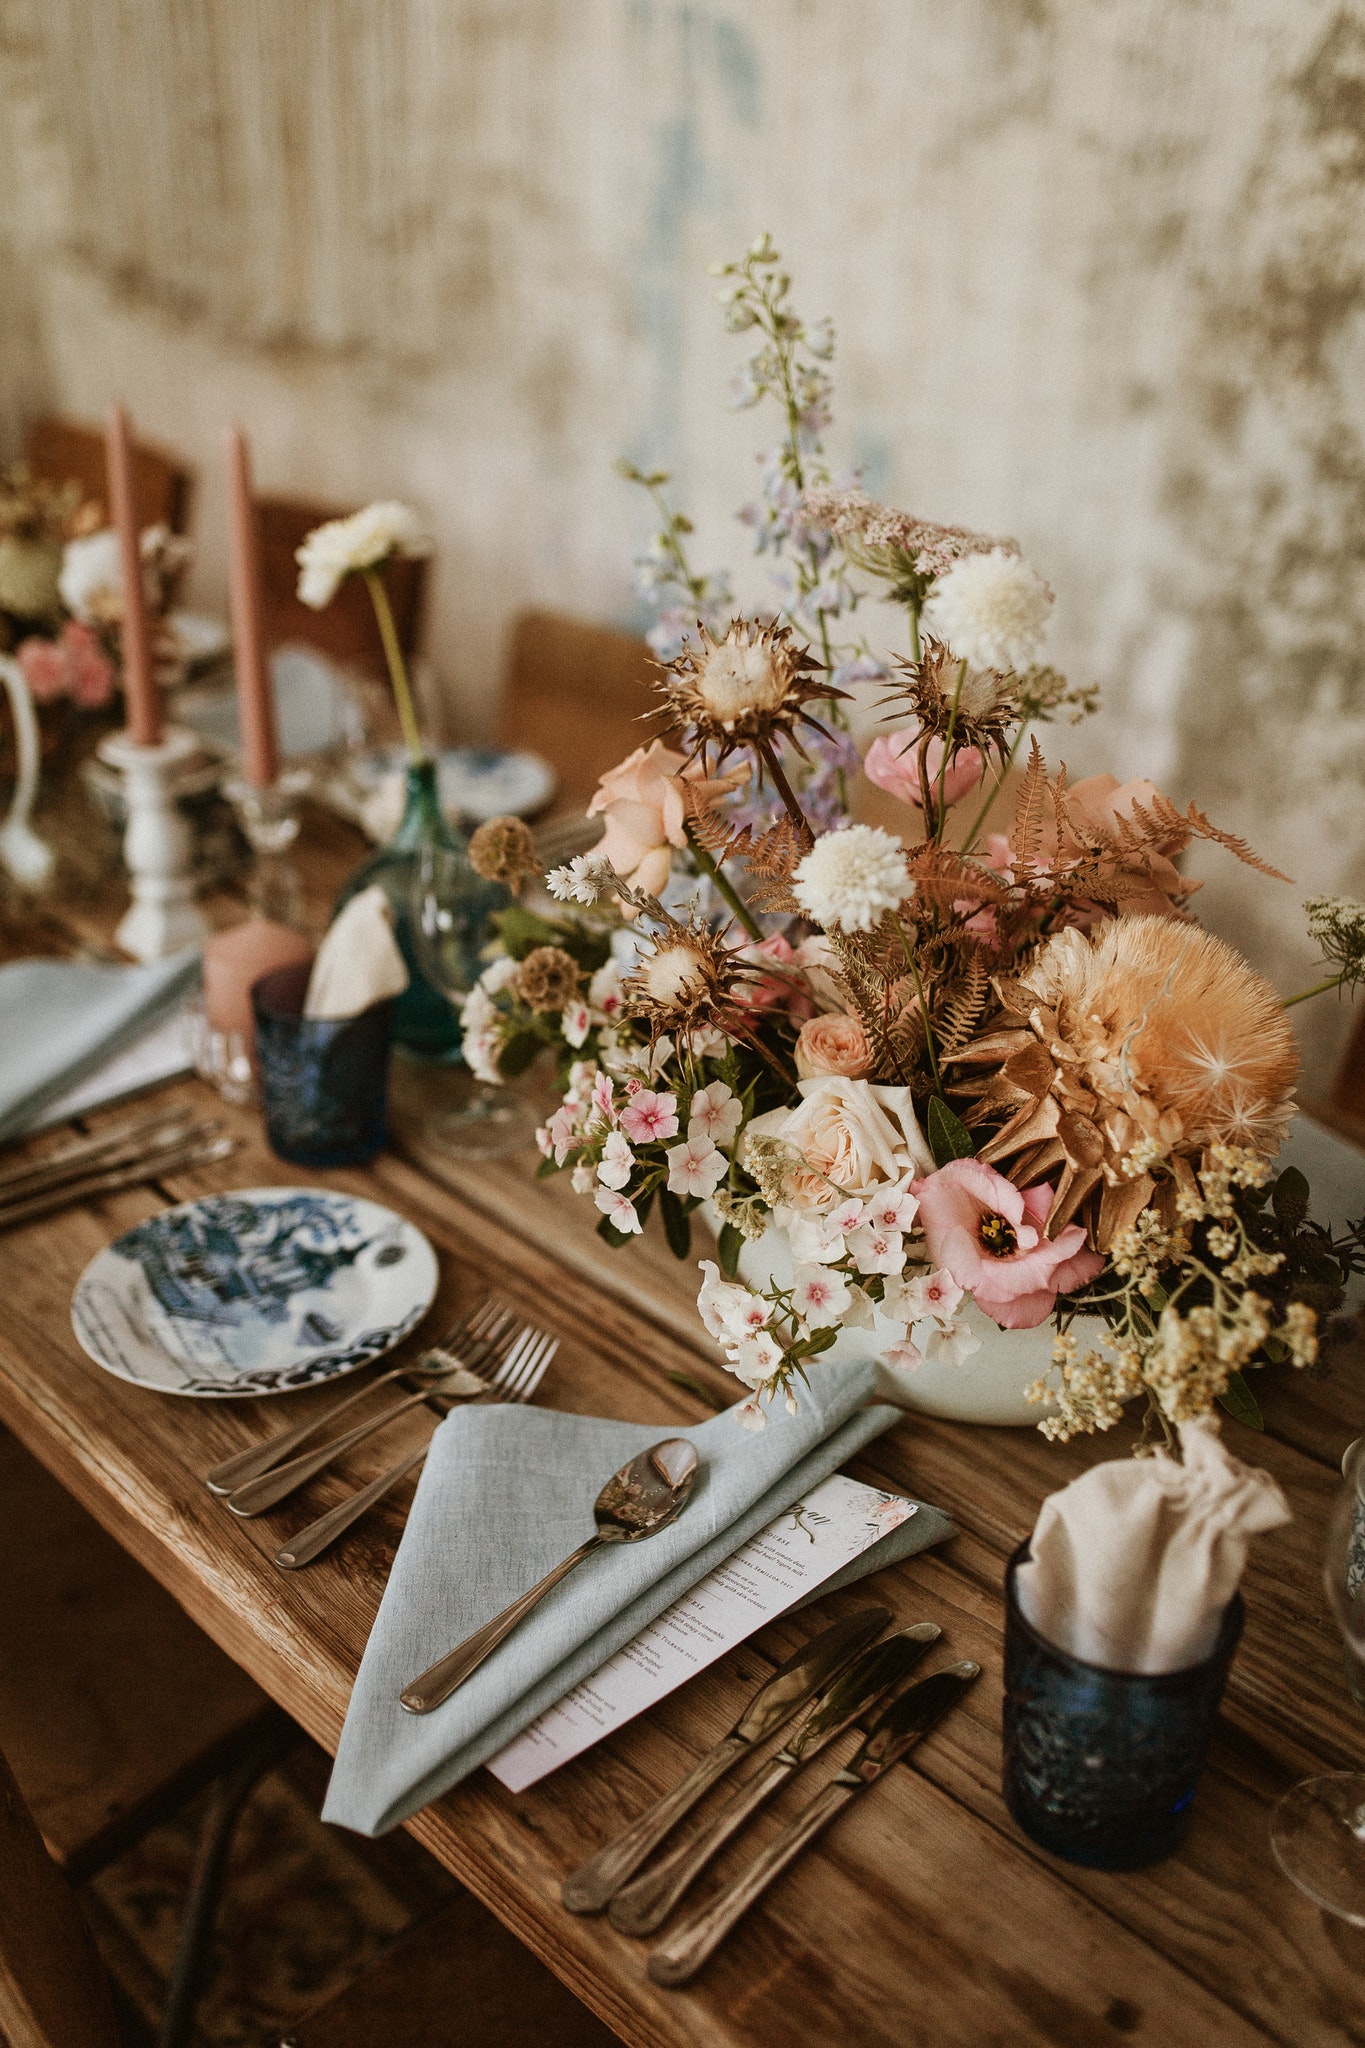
[[519, 1386], [478, 1329], [458, 1380]]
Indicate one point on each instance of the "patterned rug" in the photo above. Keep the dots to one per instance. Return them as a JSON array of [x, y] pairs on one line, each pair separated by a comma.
[[305, 1908]]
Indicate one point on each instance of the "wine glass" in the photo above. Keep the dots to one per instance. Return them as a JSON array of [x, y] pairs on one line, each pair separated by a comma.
[[1317, 1831], [449, 919]]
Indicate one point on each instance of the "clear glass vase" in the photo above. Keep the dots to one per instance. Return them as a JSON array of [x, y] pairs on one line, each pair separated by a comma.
[[425, 1024]]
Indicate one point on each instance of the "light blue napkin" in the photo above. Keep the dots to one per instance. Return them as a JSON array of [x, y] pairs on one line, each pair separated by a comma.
[[505, 1494], [61, 1018]]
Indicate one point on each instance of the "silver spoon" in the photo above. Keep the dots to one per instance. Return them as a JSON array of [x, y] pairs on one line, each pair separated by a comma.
[[639, 1500]]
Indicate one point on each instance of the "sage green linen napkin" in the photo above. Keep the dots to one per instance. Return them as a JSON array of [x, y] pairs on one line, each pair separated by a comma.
[[60, 1018], [505, 1494]]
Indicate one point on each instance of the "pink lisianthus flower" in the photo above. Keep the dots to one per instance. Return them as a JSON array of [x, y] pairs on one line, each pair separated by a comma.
[[989, 1236], [892, 762], [642, 800], [783, 991]]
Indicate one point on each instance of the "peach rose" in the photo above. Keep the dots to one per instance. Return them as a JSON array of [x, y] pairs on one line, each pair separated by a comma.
[[833, 1045], [1106, 801], [853, 1136], [642, 801], [892, 762]]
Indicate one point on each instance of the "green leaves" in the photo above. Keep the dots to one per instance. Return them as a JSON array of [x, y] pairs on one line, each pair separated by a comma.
[[1240, 1402], [522, 930], [518, 1052], [728, 1248], [677, 1224], [948, 1136]]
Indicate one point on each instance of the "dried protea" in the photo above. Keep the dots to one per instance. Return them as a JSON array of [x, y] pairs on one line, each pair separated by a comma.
[[502, 850], [683, 980], [1142, 1041], [549, 979], [745, 689]]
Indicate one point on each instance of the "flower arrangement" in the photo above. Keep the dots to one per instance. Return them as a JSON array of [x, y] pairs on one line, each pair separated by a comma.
[[61, 590], [1007, 1069]]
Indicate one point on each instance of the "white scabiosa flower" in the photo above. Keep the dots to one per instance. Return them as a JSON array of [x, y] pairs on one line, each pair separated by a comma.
[[991, 609], [91, 579], [849, 879], [334, 551]]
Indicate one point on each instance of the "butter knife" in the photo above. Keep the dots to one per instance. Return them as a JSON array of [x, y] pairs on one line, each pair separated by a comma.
[[595, 1883], [897, 1729], [646, 1903]]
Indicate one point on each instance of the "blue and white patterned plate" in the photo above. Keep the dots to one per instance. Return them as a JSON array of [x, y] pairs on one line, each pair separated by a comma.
[[254, 1292]]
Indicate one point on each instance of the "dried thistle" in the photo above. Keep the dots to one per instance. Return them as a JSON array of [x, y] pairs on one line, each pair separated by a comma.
[[970, 707], [745, 689], [503, 850], [683, 979]]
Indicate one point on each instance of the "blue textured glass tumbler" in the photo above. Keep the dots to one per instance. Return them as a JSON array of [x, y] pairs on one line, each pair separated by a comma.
[[323, 1081], [1101, 1766]]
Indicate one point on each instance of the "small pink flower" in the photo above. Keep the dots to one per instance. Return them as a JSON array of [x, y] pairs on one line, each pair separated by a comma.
[[73, 665], [894, 1209], [602, 1098], [990, 1238], [616, 1162], [575, 1023], [876, 1251], [42, 667], [649, 1117], [544, 1142], [560, 1132], [819, 1296], [714, 1113], [892, 762], [695, 1168], [905, 1357], [618, 1211]]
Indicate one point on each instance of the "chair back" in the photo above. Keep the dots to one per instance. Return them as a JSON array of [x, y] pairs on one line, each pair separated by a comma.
[[53, 1989], [577, 693], [60, 451], [347, 630], [1347, 1100]]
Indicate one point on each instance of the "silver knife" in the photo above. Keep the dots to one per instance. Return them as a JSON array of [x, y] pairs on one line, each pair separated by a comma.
[[898, 1728], [644, 1905], [595, 1883]]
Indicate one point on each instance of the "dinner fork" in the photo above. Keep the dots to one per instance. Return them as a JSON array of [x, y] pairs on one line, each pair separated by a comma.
[[312, 1541], [477, 1329], [507, 1355]]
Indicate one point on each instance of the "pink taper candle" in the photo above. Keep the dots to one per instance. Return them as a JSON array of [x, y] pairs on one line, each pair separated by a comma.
[[255, 695], [142, 697]]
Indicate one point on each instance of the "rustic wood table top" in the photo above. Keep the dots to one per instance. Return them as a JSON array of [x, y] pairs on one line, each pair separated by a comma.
[[923, 1916]]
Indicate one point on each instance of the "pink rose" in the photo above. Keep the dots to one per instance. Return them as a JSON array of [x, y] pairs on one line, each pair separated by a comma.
[[989, 1236], [892, 762], [833, 1045], [642, 800], [74, 665]]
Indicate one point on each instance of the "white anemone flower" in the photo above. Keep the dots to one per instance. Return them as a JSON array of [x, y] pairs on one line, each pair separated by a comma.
[[849, 879], [991, 609], [334, 551]]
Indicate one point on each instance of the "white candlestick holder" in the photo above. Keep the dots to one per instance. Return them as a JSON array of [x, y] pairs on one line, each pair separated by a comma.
[[157, 846]]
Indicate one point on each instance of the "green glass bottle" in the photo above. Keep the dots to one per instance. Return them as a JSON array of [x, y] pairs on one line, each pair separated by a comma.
[[425, 1025]]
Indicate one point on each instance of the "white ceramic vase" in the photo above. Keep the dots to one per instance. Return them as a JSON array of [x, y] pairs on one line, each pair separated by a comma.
[[988, 1387]]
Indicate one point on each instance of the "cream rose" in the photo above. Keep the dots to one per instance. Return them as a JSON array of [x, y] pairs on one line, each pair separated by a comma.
[[853, 1136], [832, 1045]]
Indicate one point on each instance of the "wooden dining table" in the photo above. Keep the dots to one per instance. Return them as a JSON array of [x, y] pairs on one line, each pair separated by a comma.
[[923, 1916]]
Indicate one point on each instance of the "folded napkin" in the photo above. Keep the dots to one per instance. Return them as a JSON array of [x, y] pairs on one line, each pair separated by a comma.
[[505, 1494], [1132, 1565], [59, 1019], [358, 962]]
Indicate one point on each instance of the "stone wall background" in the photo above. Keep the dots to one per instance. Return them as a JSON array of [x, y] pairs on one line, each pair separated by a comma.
[[1097, 268]]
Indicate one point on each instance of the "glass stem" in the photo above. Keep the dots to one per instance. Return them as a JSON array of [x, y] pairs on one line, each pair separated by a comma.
[[398, 670]]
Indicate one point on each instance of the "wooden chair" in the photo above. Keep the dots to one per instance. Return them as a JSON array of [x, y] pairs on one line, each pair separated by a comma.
[[346, 630], [60, 450], [578, 694], [53, 1989], [115, 1709]]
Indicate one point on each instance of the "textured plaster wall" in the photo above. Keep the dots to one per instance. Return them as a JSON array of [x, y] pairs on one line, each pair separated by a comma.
[[1098, 269]]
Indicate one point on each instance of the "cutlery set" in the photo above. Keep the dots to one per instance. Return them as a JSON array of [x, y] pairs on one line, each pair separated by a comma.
[[488, 1355], [842, 1679], [118, 1156]]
